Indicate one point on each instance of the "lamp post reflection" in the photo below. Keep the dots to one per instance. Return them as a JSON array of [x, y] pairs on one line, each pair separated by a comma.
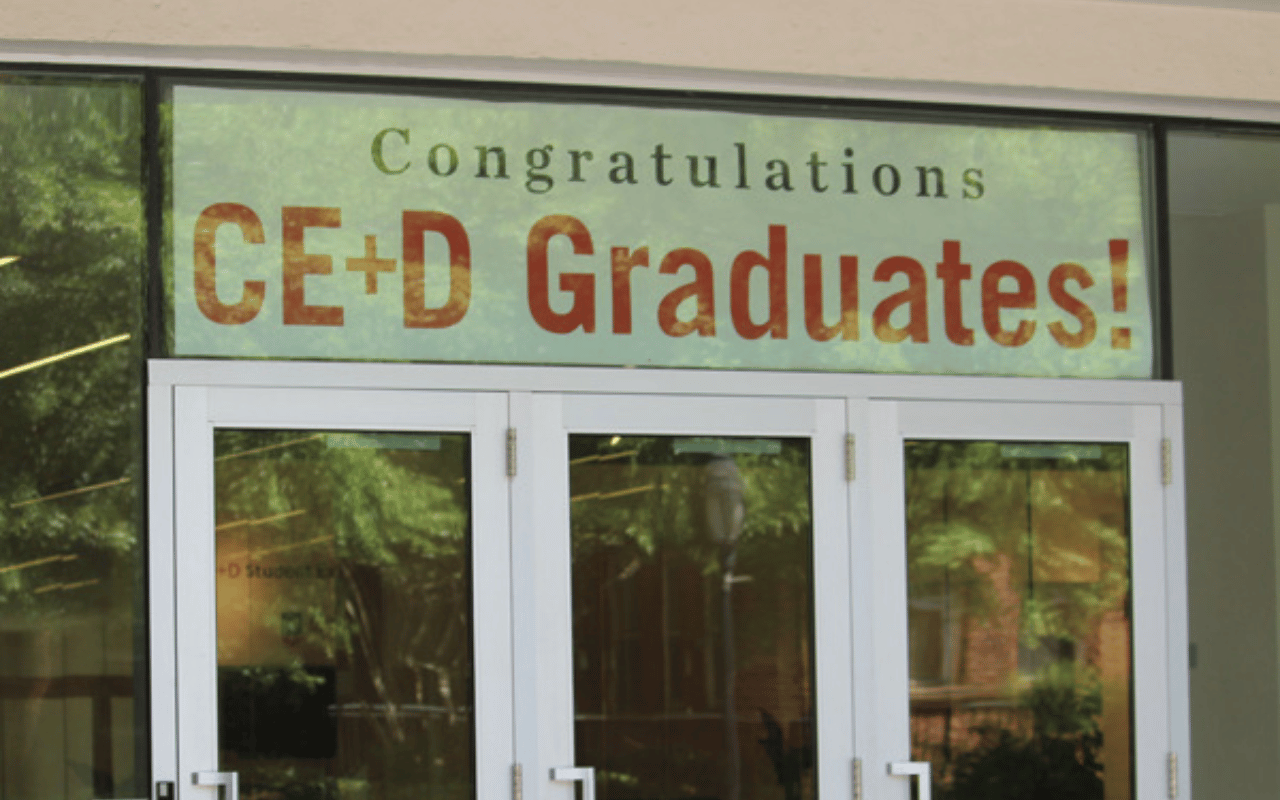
[[725, 512]]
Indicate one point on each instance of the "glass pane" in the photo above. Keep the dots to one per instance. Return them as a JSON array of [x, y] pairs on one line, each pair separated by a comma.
[[73, 692], [1018, 574], [692, 616], [344, 614], [740, 168]]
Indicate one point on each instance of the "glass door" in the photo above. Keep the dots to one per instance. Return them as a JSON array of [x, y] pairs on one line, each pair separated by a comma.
[[370, 594], [688, 601], [342, 574], [1019, 554]]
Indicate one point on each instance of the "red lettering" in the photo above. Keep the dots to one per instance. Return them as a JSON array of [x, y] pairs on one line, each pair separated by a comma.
[[206, 281], [1120, 337], [298, 264], [622, 262], [952, 271], [1072, 305], [582, 286], [740, 288], [993, 300], [847, 327], [702, 287], [414, 225], [915, 297]]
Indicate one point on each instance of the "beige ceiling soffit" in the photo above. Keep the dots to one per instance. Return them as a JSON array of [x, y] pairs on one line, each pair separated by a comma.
[[631, 75]]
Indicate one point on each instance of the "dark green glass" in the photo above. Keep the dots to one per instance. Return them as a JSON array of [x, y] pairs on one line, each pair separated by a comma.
[[73, 695]]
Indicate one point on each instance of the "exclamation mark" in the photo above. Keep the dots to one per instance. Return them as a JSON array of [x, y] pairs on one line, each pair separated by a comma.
[[1120, 290]]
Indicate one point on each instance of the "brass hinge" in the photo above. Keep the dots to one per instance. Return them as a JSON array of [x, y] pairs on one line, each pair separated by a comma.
[[1166, 461], [857, 779], [850, 457], [511, 457], [517, 781], [1173, 774]]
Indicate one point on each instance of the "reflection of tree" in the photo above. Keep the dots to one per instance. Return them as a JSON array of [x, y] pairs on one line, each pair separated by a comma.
[[71, 214], [375, 543], [70, 210], [1019, 575], [653, 571]]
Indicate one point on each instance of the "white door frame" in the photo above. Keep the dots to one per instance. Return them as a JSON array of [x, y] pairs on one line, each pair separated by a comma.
[[543, 594], [872, 405], [886, 721], [183, 532]]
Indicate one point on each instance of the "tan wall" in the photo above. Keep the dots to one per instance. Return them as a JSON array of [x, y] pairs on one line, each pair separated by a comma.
[[1085, 45]]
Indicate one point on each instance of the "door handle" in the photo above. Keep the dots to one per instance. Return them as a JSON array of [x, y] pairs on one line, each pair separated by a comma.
[[229, 781], [921, 770], [585, 774]]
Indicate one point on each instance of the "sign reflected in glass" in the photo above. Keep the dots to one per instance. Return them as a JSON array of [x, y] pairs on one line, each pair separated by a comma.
[[344, 614]]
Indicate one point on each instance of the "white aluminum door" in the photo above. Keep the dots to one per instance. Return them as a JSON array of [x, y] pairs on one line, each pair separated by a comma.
[[671, 593], [682, 612], [1018, 615], [339, 563]]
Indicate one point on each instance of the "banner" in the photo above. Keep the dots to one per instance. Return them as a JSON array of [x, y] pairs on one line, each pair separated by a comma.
[[392, 227]]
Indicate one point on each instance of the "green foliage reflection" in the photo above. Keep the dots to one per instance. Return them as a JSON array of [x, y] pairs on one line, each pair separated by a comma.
[[1018, 560], [344, 613], [71, 270], [693, 632]]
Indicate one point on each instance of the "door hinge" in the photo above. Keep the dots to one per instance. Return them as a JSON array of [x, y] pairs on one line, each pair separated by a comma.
[[517, 781], [850, 457], [1166, 461], [511, 455], [1173, 774], [857, 779]]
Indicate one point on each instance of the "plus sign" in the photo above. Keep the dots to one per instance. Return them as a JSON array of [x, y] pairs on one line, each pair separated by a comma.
[[371, 265]]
